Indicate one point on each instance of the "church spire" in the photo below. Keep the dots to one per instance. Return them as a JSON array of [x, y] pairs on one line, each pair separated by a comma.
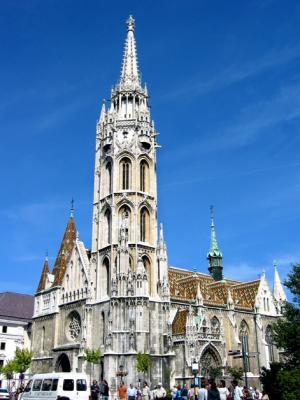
[[278, 290], [214, 255], [45, 272], [129, 72]]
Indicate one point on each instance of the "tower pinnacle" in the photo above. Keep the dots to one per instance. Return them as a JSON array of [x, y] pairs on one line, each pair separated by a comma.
[[129, 72], [278, 290], [214, 255]]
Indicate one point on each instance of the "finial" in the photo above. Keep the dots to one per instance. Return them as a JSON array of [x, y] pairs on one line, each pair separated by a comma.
[[263, 273], [72, 208], [212, 215], [161, 232], [275, 263], [46, 255], [130, 23]]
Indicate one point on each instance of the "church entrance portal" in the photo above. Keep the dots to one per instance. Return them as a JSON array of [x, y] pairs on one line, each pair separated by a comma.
[[209, 359], [63, 364]]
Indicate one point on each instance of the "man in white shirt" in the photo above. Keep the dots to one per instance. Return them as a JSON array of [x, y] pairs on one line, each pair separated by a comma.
[[131, 392], [237, 391], [160, 392], [202, 393]]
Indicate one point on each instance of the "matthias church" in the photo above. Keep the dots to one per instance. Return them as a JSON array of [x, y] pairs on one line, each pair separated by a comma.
[[121, 296]]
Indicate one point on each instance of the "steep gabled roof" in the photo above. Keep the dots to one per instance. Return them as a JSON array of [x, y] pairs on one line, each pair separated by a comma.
[[64, 253], [16, 306], [43, 277]]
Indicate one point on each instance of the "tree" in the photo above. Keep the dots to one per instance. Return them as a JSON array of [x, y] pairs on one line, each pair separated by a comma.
[[143, 362], [281, 381], [215, 372], [286, 332], [8, 371], [236, 373], [22, 359], [92, 356]]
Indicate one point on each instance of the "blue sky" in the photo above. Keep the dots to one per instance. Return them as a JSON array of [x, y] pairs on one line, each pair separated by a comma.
[[224, 81]]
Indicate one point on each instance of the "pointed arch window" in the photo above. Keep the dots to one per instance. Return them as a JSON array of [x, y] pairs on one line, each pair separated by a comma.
[[269, 341], [105, 276], [109, 177], [125, 172], [144, 176], [244, 338], [107, 233], [144, 225]]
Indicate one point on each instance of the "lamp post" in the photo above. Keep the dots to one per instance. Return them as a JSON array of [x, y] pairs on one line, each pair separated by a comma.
[[195, 369]]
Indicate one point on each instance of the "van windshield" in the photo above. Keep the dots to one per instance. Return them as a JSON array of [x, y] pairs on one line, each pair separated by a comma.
[[68, 385], [81, 385], [37, 385], [28, 386]]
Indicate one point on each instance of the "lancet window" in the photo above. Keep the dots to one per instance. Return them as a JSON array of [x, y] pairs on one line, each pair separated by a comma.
[[244, 336], [144, 176], [269, 341], [125, 171], [144, 225]]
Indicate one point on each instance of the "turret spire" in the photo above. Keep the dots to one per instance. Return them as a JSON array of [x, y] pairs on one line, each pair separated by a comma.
[[214, 255], [129, 72], [278, 290]]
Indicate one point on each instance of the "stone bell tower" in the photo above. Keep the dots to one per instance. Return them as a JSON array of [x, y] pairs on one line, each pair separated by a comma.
[[128, 263]]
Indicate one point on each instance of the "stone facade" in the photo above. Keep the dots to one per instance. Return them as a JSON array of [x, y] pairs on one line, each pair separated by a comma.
[[121, 296]]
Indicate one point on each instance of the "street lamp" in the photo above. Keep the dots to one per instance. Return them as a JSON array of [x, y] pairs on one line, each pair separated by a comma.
[[195, 369]]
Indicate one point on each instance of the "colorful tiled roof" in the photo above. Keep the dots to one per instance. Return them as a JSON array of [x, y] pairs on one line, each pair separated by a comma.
[[184, 283]]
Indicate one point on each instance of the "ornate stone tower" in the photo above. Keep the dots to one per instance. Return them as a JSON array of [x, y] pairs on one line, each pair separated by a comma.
[[129, 267], [214, 255]]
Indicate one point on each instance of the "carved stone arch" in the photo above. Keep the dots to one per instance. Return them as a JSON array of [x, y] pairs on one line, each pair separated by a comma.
[[124, 154], [244, 338], [127, 202], [145, 203], [209, 357], [244, 329], [108, 177], [63, 363], [146, 158]]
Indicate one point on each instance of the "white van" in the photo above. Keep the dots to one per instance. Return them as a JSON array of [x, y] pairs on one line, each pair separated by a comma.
[[60, 385]]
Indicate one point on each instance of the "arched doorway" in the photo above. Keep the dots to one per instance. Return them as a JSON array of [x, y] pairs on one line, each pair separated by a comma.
[[63, 364], [210, 358]]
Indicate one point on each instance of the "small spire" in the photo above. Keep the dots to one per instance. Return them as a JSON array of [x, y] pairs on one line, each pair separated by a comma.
[[199, 297], [213, 238], [46, 255], [278, 290], [130, 72], [72, 208], [161, 233]]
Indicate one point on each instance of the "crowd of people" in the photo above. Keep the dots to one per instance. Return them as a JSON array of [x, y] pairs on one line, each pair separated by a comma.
[[207, 390]]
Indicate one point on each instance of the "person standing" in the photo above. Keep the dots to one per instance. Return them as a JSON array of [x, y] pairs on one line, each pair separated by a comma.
[[237, 393], [104, 390], [224, 392], [132, 392], [146, 391], [160, 392], [95, 390], [202, 393], [213, 392], [122, 391], [184, 392]]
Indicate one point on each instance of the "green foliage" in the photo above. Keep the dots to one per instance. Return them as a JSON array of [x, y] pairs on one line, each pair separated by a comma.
[[286, 332], [143, 362], [282, 380], [22, 359], [269, 380], [215, 372], [92, 355], [8, 369], [236, 373]]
